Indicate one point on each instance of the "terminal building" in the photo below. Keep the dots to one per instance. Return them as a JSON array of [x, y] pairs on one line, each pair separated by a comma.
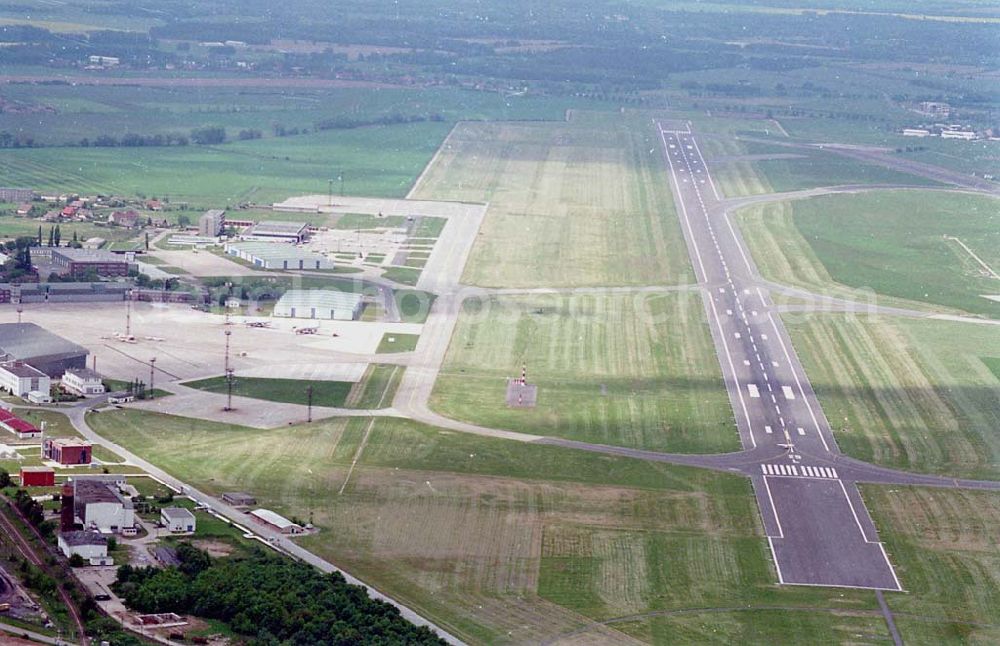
[[83, 382], [276, 255], [40, 348], [319, 304]]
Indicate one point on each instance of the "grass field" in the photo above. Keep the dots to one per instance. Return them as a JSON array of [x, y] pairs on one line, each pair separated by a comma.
[[375, 161], [891, 242], [398, 343], [945, 548], [375, 389], [509, 543], [634, 370], [581, 203], [914, 394]]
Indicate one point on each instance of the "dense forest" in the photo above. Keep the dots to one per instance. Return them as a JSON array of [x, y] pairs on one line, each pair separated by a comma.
[[290, 602]]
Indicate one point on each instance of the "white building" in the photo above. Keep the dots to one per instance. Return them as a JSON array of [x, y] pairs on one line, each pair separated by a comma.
[[82, 381], [958, 134], [18, 378], [212, 223], [99, 507], [92, 547], [319, 304], [177, 519], [276, 522], [916, 132], [277, 231], [276, 255]]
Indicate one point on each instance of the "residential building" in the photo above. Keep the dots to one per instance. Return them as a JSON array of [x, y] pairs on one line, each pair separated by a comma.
[[276, 522], [83, 382], [24, 209], [18, 378], [67, 450], [177, 519], [276, 255], [277, 231], [90, 546], [128, 219], [319, 304], [38, 477], [40, 348], [212, 223]]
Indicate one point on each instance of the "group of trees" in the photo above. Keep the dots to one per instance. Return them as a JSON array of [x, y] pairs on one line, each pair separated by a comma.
[[270, 599], [345, 123], [33, 511], [19, 263], [136, 140]]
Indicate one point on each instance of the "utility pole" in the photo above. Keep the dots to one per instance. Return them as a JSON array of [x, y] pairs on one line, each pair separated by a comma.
[[309, 395], [329, 192], [228, 333], [128, 314], [152, 370], [19, 310], [229, 389]]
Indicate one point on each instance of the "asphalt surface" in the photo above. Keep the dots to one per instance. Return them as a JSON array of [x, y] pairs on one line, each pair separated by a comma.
[[818, 528]]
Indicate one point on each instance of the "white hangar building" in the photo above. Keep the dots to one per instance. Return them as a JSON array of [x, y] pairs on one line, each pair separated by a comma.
[[319, 304], [277, 255]]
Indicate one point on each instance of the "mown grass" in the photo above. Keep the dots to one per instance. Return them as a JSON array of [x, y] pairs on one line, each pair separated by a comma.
[[633, 370], [892, 243], [392, 342], [907, 393], [289, 391], [945, 548], [580, 203]]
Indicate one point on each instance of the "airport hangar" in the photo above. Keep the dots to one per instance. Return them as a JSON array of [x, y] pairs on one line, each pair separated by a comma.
[[48, 352], [319, 304]]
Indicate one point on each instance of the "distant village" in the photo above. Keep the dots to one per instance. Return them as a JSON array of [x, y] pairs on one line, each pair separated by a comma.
[[945, 130]]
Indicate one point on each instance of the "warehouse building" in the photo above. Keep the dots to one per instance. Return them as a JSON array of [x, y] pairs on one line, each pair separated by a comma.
[[294, 232], [83, 382], [98, 506], [20, 379], [90, 546], [276, 522], [38, 347], [276, 255], [177, 519], [22, 429], [319, 304], [212, 223], [64, 292]]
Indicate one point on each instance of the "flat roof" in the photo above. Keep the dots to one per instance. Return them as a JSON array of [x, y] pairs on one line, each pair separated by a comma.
[[279, 227], [274, 251], [21, 369], [37, 470], [88, 255], [24, 341], [68, 441], [83, 538], [86, 492], [214, 213], [177, 513], [319, 298], [84, 373], [272, 518]]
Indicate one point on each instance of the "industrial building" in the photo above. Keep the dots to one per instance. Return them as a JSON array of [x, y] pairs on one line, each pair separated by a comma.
[[177, 519], [238, 499], [38, 477], [277, 231], [19, 427], [90, 546], [276, 255], [8, 194], [67, 450], [40, 348], [82, 382], [212, 223], [276, 522], [20, 379], [319, 304], [64, 292], [98, 506]]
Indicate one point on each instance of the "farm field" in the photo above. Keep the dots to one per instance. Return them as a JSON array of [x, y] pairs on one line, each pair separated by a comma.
[[908, 393], [634, 370], [504, 542], [572, 204], [891, 242], [380, 161], [944, 545]]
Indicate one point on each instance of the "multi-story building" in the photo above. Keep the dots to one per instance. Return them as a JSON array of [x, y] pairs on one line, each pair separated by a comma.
[[83, 382]]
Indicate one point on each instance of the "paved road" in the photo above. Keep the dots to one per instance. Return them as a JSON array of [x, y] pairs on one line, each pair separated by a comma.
[[817, 526]]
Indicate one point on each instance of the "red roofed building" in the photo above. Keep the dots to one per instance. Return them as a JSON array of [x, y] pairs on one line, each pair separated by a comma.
[[22, 429], [38, 477], [69, 211], [66, 450]]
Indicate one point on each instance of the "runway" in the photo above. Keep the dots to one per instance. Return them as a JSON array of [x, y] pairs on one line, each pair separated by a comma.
[[817, 526]]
